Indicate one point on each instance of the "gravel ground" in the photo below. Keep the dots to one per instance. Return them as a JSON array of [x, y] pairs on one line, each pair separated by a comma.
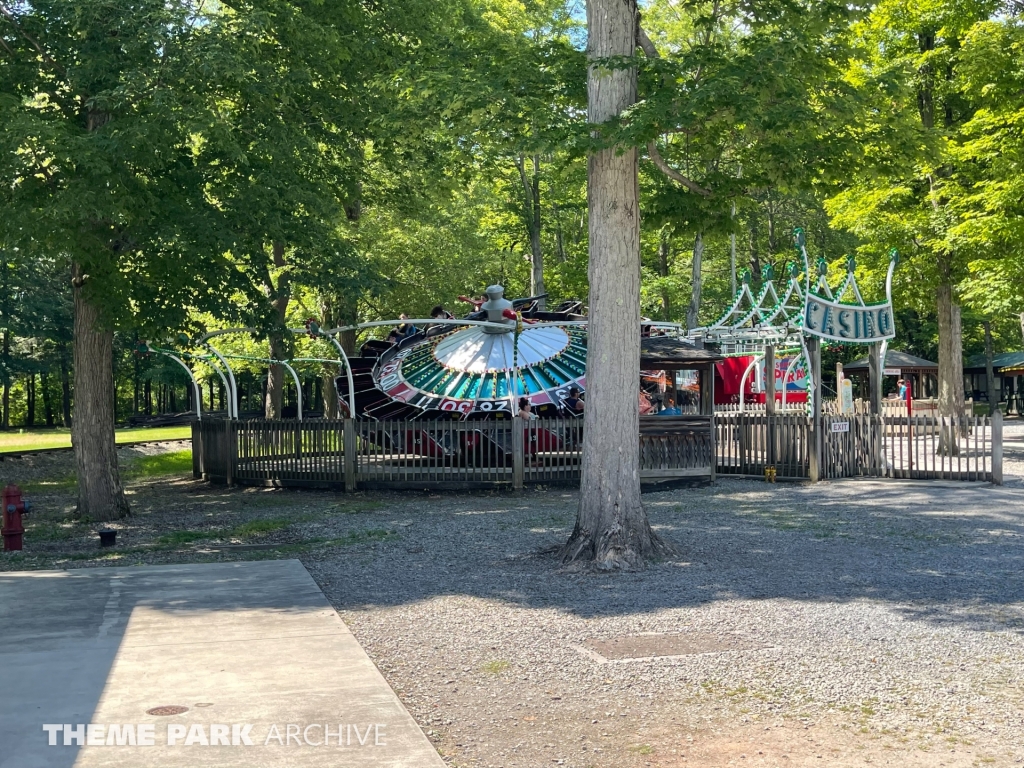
[[849, 623]]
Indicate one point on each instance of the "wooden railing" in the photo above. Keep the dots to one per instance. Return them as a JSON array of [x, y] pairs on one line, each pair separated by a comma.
[[515, 453], [860, 445], [434, 454]]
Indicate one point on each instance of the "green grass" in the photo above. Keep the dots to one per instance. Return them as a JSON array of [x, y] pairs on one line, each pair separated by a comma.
[[11, 442], [495, 667], [173, 463], [181, 538], [257, 527]]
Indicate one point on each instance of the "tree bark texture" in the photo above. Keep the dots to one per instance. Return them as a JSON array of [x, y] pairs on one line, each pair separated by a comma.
[[100, 495], [274, 402], [990, 374], [693, 310], [612, 530], [951, 388], [30, 400], [5, 416]]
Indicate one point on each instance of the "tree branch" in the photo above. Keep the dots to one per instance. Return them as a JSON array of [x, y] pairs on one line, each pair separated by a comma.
[[672, 173], [45, 56], [645, 44]]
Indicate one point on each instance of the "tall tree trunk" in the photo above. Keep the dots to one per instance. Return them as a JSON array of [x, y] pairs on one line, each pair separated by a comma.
[[951, 385], [5, 416], [100, 495], [30, 400], [531, 215], [1022, 326], [274, 404], [612, 530], [664, 252], [44, 381], [65, 389], [990, 374], [693, 309]]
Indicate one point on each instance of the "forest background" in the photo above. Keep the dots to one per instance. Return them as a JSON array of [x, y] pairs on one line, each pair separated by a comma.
[[187, 166]]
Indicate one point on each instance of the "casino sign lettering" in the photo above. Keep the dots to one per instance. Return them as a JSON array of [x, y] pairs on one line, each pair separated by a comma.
[[848, 322]]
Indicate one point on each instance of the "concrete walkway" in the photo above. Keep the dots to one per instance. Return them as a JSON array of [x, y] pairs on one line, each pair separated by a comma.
[[252, 650]]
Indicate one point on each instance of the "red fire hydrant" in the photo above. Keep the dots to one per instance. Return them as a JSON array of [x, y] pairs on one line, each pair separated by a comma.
[[13, 508]]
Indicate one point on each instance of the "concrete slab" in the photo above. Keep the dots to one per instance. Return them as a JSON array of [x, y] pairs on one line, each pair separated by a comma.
[[254, 648]]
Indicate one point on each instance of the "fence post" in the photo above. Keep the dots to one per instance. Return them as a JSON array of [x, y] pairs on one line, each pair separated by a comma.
[[714, 447], [349, 454], [197, 450], [230, 451], [814, 443], [518, 453], [997, 447]]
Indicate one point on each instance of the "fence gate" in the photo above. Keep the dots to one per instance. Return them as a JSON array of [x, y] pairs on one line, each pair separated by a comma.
[[912, 447], [851, 446]]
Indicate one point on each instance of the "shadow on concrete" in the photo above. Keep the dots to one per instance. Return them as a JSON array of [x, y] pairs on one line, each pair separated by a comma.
[[62, 632]]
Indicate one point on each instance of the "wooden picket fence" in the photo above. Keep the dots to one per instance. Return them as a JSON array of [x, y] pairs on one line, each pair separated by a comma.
[[434, 454], [860, 445], [514, 453]]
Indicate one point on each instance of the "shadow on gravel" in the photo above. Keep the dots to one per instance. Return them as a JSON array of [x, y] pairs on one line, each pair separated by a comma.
[[939, 552]]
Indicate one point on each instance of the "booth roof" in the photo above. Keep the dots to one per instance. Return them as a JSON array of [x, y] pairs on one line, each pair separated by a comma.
[[894, 359], [1013, 360], [656, 352]]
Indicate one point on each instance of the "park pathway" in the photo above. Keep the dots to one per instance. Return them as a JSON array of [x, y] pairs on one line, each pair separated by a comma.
[[200, 656]]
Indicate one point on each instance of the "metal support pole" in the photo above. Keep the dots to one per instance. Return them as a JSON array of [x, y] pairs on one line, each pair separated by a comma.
[[298, 387], [348, 374], [743, 381], [196, 388], [212, 362], [875, 371], [233, 388]]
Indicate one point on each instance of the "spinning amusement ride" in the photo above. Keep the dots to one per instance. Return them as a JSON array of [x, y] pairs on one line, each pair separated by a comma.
[[479, 367]]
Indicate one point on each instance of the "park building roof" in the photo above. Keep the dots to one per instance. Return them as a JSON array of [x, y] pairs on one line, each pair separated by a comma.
[[895, 359], [1004, 362], [670, 353]]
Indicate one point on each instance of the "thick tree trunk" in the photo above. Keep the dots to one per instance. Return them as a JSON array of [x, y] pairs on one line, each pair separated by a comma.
[[100, 495], [693, 310], [5, 416], [274, 402], [1022, 326], [612, 530], [951, 387]]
